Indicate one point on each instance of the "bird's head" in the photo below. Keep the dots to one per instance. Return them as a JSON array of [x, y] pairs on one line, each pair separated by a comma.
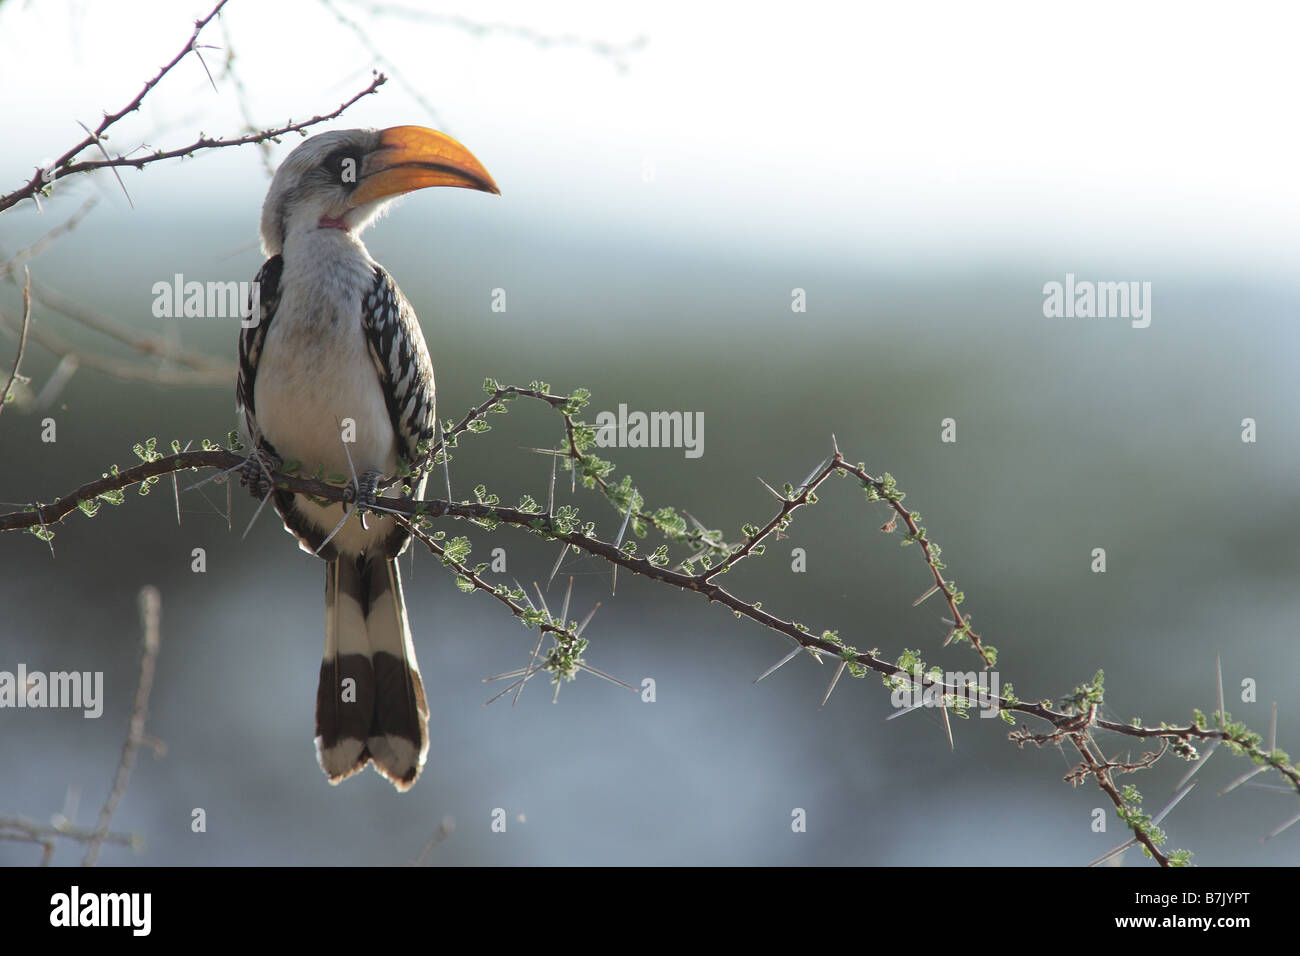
[[344, 178]]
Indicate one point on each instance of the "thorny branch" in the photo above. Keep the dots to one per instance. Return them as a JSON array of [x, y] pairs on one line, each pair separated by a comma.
[[200, 369], [66, 165], [62, 168], [44, 177], [197, 368], [1101, 772], [1075, 719]]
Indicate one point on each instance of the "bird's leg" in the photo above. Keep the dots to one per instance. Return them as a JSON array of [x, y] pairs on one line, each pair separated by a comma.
[[364, 492], [257, 470]]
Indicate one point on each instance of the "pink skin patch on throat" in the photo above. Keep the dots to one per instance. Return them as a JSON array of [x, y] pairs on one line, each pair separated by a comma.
[[327, 223]]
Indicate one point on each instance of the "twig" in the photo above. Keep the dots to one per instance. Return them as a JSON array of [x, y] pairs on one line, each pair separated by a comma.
[[1101, 772], [122, 369], [22, 340], [380, 60], [141, 342], [445, 829], [150, 607], [28, 253], [617, 53], [23, 831], [241, 97], [64, 167], [60, 168]]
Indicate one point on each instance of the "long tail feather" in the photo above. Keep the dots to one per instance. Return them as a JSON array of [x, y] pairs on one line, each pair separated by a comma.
[[399, 736], [345, 697], [370, 703]]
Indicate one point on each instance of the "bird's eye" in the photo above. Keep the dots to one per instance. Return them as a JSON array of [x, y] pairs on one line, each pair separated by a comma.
[[343, 166]]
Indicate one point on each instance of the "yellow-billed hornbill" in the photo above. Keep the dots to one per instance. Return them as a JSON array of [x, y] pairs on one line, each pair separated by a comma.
[[334, 375]]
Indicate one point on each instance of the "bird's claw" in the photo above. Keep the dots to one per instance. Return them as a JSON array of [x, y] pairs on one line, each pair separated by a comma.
[[364, 491], [256, 472]]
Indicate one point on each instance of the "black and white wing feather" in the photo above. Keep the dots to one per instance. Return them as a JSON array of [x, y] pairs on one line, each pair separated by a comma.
[[402, 362], [251, 340]]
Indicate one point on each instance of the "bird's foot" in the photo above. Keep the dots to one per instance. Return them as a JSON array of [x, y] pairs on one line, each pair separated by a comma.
[[257, 470], [365, 492]]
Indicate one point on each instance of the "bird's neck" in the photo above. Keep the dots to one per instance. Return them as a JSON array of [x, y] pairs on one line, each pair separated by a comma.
[[326, 243]]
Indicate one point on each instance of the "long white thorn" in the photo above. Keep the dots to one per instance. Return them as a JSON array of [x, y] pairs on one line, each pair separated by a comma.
[[1290, 823], [601, 674], [176, 486], [623, 529], [49, 539], [525, 590], [905, 710], [519, 682], [550, 497], [514, 673], [924, 596], [613, 579], [779, 664], [834, 680], [1218, 666], [446, 460], [695, 521], [253, 520], [356, 482], [217, 477], [775, 494], [1113, 853], [541, 597], [564, 611], [587, 620], [558, 559], [804, 483], [1248, 775], [347, 513], [530, 669], [1177, 799]]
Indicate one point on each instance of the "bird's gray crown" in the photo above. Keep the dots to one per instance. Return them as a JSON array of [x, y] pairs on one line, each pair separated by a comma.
[[314, 183]]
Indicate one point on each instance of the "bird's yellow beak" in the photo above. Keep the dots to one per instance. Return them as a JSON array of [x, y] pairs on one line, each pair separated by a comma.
[[413, 157]]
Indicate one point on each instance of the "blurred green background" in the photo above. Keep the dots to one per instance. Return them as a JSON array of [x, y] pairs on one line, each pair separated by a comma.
[[655, 267]]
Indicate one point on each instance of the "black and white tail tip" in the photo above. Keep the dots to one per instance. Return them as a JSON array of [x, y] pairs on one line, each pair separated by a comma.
[[370, 703]]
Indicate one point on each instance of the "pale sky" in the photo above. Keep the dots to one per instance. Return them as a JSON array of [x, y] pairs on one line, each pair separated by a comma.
[[891, 127]]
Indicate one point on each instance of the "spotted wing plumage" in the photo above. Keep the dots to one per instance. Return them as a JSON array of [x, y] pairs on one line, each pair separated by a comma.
[[402, 363], [267, 298]]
